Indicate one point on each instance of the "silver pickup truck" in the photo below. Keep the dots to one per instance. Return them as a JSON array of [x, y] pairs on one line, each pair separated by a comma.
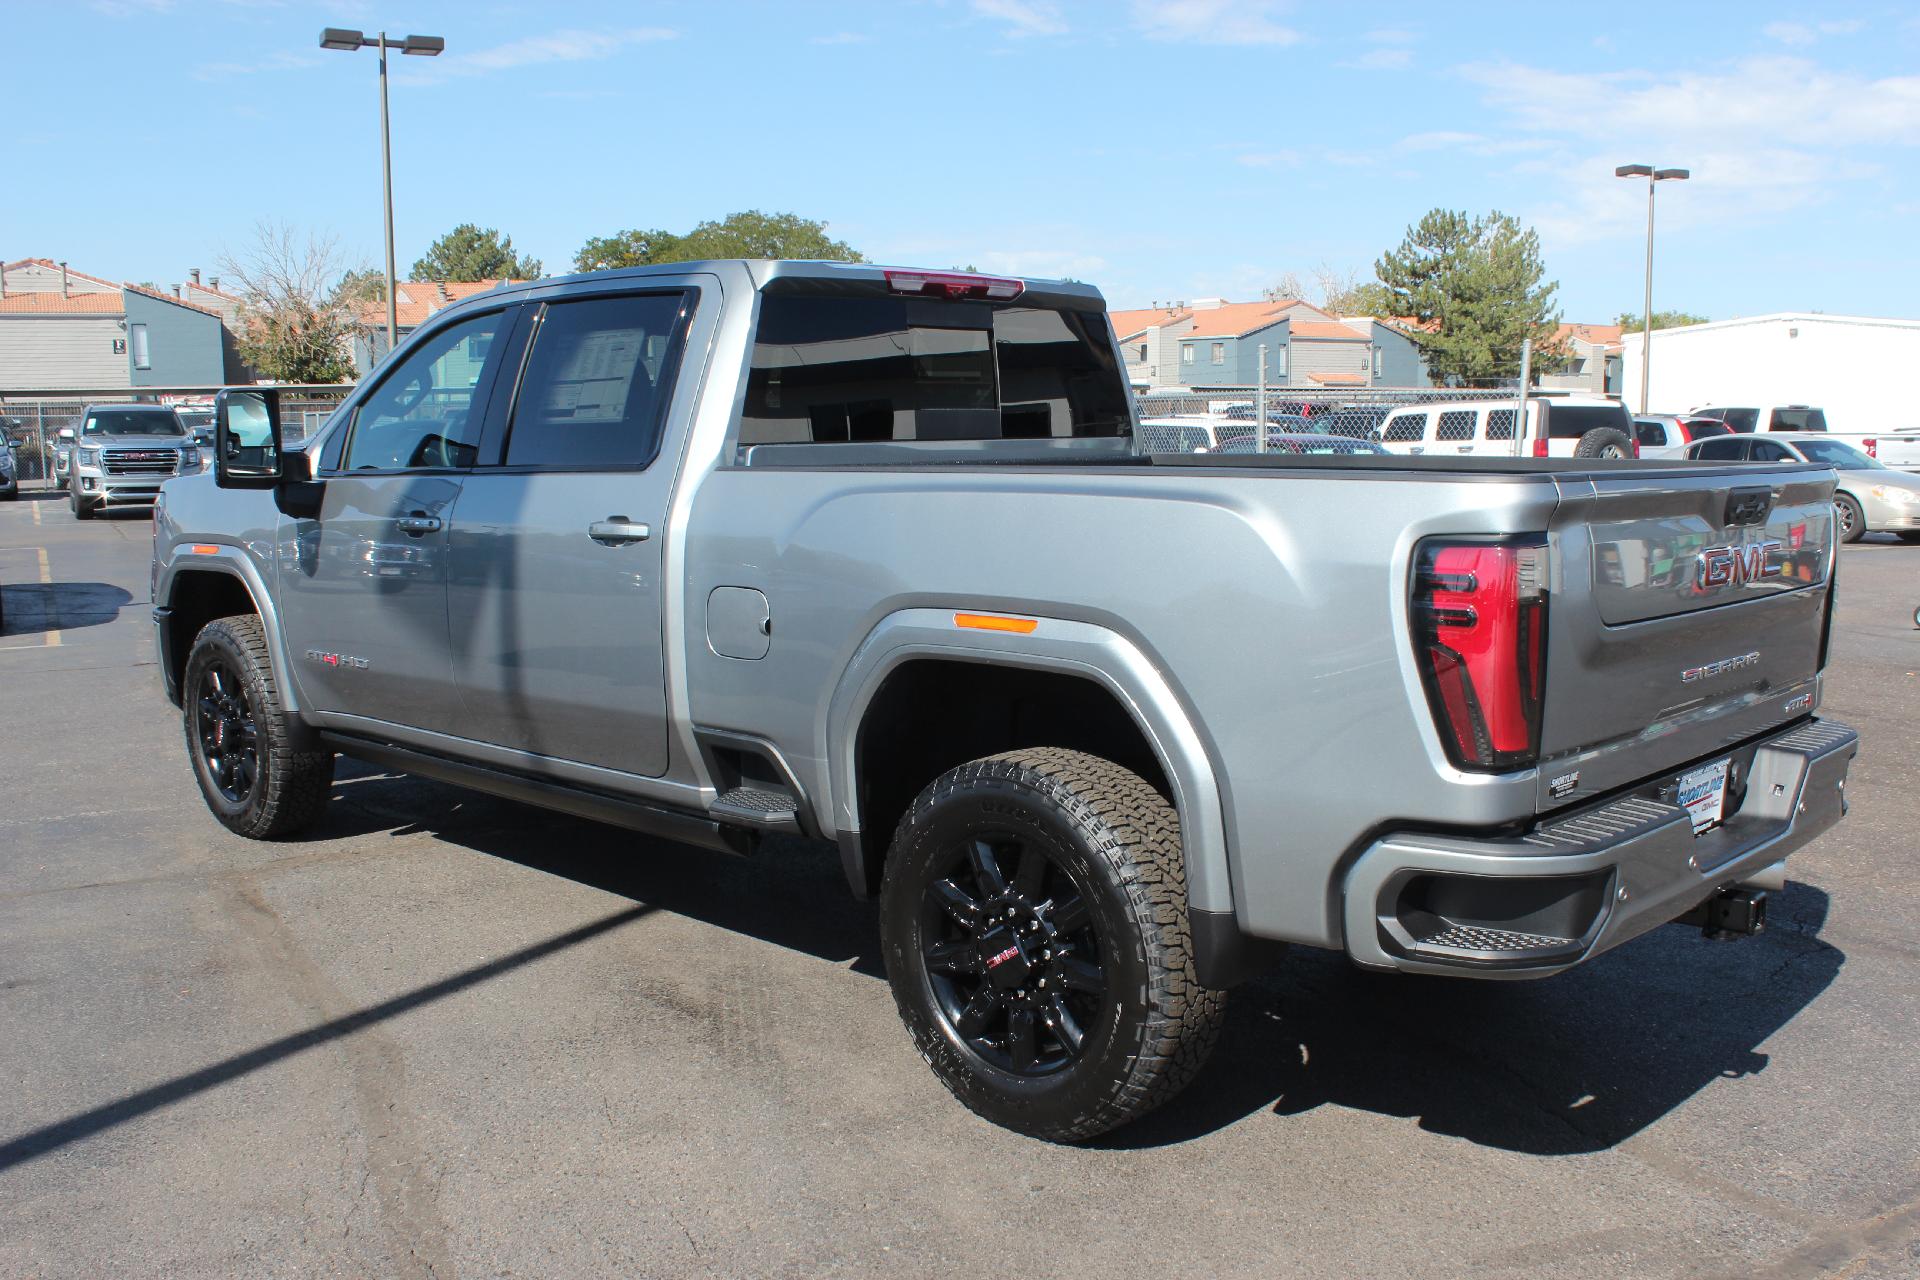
[[725, 550]]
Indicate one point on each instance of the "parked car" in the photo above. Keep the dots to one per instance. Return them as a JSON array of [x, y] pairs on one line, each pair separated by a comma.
[[1895, 448], [1301, 444], [1175, 435], [1870, 498], [1776, 417], [9, 471], [1667, 435], [869, 555], [1556, 427], [121, 455]]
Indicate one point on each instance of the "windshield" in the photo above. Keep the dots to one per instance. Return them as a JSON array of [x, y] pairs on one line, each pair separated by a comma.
[[1834, 454], [132, 422]]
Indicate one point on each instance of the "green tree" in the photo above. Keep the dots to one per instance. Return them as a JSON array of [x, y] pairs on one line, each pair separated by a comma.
[[361, 288], [751, 234], [1630, 320], [469, 253], [1477, 287]]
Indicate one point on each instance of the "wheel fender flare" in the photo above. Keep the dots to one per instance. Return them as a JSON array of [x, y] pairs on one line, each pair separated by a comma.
[[1082, 649], [222, 558]]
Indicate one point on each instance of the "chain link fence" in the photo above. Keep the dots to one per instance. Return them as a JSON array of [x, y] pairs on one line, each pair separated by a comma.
[[32, 422], [1227, 418]]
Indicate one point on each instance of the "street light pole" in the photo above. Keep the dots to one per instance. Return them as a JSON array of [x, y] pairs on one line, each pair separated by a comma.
[[386, 183], [424, 46], [1653, 176]]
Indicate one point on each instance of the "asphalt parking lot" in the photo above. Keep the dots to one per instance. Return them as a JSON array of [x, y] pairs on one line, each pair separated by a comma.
[[447, 1035]]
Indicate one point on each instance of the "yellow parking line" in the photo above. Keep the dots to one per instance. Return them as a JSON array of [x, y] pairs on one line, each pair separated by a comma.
[[36, 513], [46, 580]]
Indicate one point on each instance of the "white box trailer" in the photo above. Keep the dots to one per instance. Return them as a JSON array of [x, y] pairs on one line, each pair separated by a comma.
[[1858, 368]]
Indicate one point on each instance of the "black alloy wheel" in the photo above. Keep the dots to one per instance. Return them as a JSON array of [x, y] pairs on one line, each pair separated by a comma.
[[229, 736], [260, 770], [1034, 923], [1013, 959]]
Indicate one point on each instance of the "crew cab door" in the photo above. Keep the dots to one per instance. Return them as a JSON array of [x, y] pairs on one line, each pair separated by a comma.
[[555, 592], [363, 587]]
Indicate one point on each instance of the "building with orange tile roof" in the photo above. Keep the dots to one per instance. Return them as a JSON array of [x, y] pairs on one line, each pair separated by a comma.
[[61, 328], [414, 301]]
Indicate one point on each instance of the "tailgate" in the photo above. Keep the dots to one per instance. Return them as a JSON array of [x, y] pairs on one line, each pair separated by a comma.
[[1687, 615]]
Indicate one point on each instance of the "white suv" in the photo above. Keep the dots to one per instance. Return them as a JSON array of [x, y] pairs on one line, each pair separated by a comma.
[[1557, 427]]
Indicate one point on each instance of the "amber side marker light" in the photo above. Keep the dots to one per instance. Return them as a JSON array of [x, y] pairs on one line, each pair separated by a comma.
[[993, 622], [205, 549]]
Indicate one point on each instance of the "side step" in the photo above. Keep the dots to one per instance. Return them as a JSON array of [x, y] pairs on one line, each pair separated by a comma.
[[709, 831], [762, 810]]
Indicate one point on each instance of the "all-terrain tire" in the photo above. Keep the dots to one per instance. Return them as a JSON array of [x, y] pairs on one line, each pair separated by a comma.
[[1604, 442], [1852, 521], [81, 510], [1112, 841], [289, 783]]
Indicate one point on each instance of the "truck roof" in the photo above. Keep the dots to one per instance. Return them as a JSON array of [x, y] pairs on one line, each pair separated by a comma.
[[764, 271]]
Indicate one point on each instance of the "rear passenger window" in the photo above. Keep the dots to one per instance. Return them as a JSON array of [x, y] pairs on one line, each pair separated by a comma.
[[1402, 427], [1768, 451], [1723, 449], [1500, 424], [1456, 424], [597, 382], [1651, 435]]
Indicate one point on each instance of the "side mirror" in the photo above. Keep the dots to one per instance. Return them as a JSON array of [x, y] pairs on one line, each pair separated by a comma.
[[246, 438], [66, 433]]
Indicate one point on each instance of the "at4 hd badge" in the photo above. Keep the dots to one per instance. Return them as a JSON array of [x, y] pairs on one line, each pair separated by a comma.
[[336, 659]]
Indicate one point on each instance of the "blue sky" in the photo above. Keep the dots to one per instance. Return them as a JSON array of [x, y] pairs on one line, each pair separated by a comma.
[[1176, 149]]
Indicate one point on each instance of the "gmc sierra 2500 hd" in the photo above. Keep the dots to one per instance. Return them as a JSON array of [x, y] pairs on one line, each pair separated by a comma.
[[725, 549]]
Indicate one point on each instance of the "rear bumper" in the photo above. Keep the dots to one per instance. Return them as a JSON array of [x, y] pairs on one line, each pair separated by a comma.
[[1537, 903]]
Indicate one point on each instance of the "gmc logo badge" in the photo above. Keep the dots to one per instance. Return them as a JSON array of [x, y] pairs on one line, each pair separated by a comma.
[[1731, 566]]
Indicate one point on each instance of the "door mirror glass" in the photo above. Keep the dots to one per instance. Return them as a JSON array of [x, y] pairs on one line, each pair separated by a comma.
[[246, 439]]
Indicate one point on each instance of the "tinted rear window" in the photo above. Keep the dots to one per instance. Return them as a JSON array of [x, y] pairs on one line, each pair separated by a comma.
[[1738, 419], [833, 368], [1571, 421], [1799, 420]]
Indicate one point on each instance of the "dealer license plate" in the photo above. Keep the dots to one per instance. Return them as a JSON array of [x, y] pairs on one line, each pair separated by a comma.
[[1703, 792]]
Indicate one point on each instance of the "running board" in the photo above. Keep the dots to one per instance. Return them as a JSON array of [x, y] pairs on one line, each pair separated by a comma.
[[668, 824]]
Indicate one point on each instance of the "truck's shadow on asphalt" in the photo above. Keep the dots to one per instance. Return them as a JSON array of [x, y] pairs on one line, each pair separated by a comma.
[[1570, 1065], [35, 607]]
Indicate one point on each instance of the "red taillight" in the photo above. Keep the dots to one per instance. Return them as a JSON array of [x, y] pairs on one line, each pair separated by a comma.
[[1539, 446], [1872, 448], [955, 284], [1480, 629]]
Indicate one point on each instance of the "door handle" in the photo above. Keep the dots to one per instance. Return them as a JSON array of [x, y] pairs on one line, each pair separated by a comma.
[[418, 523], [616, 531]]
